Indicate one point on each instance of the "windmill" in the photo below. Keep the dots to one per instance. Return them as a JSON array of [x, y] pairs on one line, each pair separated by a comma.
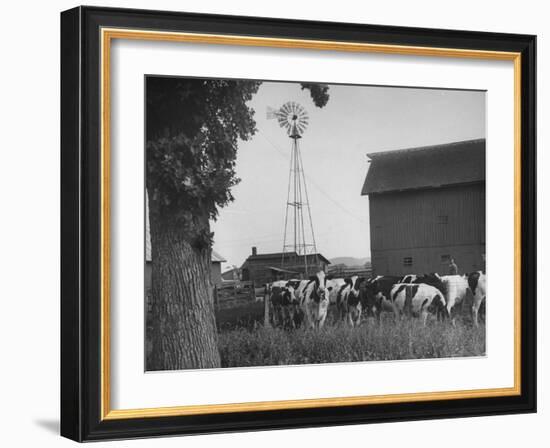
[[294, 119]]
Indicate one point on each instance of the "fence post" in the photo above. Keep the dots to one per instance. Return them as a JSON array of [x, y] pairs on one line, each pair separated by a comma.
[[266, 306]]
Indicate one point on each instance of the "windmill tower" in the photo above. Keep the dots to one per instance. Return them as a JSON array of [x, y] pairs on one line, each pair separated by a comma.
[[299, 238]]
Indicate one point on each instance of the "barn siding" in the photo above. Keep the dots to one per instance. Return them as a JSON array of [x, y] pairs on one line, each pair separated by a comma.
[[428, 259], [411, 224]]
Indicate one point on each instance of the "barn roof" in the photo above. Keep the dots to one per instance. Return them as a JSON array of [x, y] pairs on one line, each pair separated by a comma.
[[426, 167]]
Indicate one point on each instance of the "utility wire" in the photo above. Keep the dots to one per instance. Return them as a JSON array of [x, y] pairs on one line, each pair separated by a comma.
[[310, 180]]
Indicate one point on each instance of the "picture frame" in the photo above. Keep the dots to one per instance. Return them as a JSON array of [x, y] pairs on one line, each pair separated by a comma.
[[86, 37]]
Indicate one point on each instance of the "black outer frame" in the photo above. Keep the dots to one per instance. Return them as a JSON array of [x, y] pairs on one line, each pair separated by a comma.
[[80, 223]]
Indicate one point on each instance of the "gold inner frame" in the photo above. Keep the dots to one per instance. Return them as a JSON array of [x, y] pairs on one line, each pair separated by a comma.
[[107, 35]]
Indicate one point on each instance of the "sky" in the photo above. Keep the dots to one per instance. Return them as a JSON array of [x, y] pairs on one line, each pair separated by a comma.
[[356, 121]]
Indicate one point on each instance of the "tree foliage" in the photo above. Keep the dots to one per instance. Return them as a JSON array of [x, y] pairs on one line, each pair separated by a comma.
[[193, 129]]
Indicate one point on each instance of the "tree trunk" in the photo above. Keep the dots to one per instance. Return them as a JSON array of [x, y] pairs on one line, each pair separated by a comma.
[[184, 329]]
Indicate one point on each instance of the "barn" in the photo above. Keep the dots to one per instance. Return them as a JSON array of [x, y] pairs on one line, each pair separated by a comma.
[[265, 268], [427, 205]]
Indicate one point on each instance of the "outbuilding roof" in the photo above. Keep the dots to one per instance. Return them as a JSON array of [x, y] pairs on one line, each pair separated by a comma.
[[426, 167], [216, 257], [288, 255]]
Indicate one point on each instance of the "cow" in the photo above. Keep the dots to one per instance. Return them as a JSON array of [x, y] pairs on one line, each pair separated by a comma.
[[418, 300], [282, 303], [477, 281], [338, 293], [316, 300], [456, 289], [434, 280], [296, 311], [348, 301], [352, 302], [375, 294], [333, 287]]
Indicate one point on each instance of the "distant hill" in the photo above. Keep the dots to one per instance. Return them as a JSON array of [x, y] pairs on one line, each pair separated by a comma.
[[349, 261]]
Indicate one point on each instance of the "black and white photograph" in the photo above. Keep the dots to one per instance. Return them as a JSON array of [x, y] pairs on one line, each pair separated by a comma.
[[282, 221], [292, 223]]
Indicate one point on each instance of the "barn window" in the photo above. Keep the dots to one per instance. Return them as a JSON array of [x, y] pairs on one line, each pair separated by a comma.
[[407, 261], [443, 219], [445, 258]]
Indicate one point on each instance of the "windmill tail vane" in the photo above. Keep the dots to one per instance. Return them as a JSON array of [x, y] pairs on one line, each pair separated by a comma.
[[271, 113]]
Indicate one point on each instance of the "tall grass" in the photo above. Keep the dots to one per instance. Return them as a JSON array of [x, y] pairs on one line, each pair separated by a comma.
[[372, 341]]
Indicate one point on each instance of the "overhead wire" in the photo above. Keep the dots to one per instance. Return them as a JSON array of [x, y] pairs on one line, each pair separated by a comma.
[[317, 187]]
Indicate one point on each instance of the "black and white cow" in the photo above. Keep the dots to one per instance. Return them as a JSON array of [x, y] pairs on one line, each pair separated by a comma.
[[477, 281], [281, 298], [417, 300], [299, 291], [342, 287], [296, 312], [375, 294], [348, 301], [456, 289], [316, 300], [434, 280]]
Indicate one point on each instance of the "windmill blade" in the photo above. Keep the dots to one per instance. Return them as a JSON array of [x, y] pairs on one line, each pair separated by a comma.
[[291, 116], [282, 120]]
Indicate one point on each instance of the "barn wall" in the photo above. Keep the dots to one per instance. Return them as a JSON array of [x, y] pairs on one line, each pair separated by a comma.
[[428, 259], [426, 225]]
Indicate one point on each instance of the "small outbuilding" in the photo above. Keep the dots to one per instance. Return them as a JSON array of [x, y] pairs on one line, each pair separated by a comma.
[[265, 268]]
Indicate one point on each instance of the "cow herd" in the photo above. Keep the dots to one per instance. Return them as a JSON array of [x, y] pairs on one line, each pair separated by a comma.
[[295, 303]]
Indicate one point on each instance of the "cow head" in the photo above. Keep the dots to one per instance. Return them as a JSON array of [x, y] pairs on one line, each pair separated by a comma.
[[319, 299], [321, 284], [287, 295], [320, 292], [356, 287]]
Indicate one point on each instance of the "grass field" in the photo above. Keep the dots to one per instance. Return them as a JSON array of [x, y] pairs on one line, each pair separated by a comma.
[[241, 314], [372, 341]]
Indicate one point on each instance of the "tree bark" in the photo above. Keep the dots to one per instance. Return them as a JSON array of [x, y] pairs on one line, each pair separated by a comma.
[[184, 329]]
